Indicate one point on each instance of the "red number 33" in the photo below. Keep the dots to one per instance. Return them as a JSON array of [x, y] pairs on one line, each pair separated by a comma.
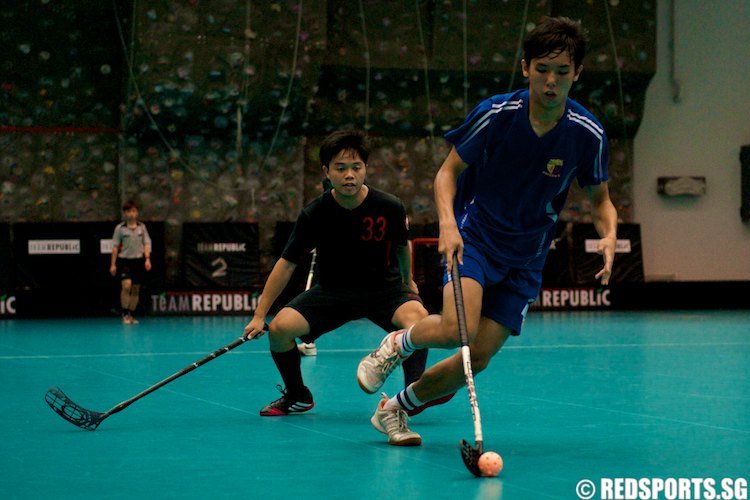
[[374, 229]]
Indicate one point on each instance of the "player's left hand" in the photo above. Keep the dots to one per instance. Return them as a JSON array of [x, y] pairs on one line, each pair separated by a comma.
[[606, 249]]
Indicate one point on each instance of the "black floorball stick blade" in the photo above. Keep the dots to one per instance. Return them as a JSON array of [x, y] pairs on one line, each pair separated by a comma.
[[71, 411], [471, 456], [90, 420]]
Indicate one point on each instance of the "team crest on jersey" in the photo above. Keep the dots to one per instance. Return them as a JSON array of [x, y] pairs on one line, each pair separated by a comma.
[[554, 168]]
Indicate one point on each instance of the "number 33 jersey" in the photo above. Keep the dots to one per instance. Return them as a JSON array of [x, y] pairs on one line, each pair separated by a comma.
[[356, 249]]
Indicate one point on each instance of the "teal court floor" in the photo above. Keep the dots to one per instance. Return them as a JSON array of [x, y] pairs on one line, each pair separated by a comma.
[[585, 395]]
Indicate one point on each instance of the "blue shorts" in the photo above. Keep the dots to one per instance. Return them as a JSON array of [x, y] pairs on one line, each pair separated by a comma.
[[507, 291]]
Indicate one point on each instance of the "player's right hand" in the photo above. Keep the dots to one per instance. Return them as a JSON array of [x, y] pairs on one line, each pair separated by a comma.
[[450, 243]]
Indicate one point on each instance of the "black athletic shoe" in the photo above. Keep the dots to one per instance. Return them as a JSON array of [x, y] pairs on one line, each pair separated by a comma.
[[288, 403]]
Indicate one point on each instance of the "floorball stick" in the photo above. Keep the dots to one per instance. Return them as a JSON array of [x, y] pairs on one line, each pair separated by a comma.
[[311, 274], [470, 454], [309, 348], [90, 420]]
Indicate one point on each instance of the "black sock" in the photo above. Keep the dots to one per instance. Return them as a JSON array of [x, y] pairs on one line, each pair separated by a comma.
[[414, 366], [288, 364]]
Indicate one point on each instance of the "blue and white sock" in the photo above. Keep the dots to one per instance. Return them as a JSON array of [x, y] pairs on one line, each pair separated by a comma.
[[405, 400], [406, 347]]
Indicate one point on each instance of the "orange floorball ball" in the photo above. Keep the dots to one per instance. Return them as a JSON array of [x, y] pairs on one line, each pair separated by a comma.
[[490, 464]]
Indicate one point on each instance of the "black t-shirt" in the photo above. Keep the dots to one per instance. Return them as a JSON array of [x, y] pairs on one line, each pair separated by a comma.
[[356, 249]]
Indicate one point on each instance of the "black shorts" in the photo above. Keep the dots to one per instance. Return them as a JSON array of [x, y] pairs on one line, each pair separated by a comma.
[[326, 310], [132, 269]]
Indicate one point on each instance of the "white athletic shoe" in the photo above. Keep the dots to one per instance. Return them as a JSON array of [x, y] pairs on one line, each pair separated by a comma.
[[306, 349], [393, 423], [374, 368], [128, 319]]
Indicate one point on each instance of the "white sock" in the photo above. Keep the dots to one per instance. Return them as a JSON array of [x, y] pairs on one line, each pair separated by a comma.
[[404, 343], [404, 400]]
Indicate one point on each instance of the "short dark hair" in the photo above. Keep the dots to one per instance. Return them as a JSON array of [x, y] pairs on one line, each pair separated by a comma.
[[128, 205], [556, 34], [344, 140]]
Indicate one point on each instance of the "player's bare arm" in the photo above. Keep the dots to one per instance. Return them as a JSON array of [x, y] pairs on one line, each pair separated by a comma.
[[277, 281], [605, 221], [450, 240]]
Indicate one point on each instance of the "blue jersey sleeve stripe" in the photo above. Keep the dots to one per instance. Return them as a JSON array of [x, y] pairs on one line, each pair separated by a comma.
[[588, 120], [482, 123], [596, 129], [599, 162], [587, 125], [486, 118]]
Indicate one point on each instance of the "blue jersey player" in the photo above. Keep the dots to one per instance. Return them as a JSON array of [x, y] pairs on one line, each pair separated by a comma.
[[498, 194]]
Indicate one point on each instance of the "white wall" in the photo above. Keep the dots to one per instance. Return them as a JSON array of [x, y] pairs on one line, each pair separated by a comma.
[[703, 238]]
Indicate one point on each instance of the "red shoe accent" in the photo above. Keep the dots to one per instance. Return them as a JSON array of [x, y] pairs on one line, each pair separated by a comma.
[[287, 404], [273, 412]]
